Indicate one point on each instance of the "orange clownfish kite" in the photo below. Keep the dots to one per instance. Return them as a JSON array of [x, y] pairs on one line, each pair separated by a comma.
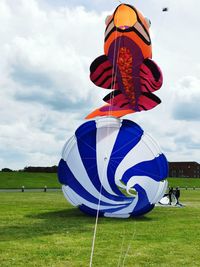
[[126, 67]]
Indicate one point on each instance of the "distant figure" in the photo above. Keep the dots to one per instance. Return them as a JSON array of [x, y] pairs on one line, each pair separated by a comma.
[[170, 195], [177, 195]]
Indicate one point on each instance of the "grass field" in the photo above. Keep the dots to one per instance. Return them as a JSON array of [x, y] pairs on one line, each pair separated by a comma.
[[28, 180], [41, 229], [184, 182], [39, 180]]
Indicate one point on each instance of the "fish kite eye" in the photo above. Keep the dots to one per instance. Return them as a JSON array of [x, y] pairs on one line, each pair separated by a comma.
[[148, 22]]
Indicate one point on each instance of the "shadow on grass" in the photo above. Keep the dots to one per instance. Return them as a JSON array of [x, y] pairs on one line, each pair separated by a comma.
[[75, 213], [70, 214], [49, 223]]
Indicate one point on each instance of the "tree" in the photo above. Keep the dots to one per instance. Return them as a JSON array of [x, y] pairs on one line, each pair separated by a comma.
[[6, 170]]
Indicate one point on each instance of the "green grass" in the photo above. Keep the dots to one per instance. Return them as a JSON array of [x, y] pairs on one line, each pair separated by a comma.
[[28, 179], [41, 229], [183, 182], [39, 180]]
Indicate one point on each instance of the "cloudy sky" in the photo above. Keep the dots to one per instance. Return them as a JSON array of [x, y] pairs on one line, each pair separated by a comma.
[[45, 52]]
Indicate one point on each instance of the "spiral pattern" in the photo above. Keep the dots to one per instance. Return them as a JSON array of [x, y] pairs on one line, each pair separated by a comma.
[[112, 166]]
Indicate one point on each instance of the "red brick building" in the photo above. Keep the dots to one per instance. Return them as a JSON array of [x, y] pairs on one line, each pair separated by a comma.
[[190, 169]]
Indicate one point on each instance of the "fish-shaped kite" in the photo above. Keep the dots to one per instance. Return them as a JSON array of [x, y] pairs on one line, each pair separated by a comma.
[[126, 67]]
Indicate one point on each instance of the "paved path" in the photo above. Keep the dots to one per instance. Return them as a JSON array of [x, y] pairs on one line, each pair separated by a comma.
[[29, 190], [59, 189]]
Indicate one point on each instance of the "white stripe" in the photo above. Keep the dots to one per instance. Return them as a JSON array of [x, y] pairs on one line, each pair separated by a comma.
[[72, 194], [152, 144], [71, 198], [140, 153], [151, 187], [68, 146], [107, 132], [113, 215], [109, 29], [128, 209], [161, 191], [72, 157], [139, 27]]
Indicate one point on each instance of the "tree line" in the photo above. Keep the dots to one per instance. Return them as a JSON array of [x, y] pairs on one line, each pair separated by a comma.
[[52, 169]]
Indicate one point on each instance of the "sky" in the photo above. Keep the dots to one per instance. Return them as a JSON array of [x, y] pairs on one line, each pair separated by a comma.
[[46, 49]]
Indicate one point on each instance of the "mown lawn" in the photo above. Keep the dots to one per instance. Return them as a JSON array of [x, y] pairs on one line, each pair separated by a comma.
[[184, 182], [28, 180], [39, 180], [41, 229]]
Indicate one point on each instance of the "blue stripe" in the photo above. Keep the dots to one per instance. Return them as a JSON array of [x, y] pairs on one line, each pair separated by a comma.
[[151, 168], [86, 141], [93, 212], [129, 135], [90, 211], [67, 177], [61, 172], [163, 166], [143, 205]]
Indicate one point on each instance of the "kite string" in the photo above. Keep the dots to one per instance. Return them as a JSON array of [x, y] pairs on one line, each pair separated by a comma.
[[103, 177], [113, 80], [113, 83], [114, 75], [129, 245], [95, 230], [121, 250], [96, 220]]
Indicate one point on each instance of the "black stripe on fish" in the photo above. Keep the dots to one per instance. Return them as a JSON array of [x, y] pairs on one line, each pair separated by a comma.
[[150, 83], [146, 87], [124, 104], [142, 107], [107, 36], [101, 74], [98, 61], [138, 18], [105, 80], [108, 31], [131, 29], [111, 95], [143, 72], [112, 20], [152, 97], [153, 68]]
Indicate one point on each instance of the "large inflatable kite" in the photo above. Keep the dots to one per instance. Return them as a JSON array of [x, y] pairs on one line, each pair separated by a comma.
[[110, 167], [126, 67]]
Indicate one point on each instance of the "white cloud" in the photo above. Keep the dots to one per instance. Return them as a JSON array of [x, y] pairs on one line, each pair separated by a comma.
[[46, 50], [44, 71]]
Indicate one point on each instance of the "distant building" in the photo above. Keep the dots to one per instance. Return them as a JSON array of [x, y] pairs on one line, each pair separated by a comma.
[[189, 169]]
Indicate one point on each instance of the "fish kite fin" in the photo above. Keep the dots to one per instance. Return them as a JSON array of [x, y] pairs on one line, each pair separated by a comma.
[[102, 73], [151, 77], [116, 98], [148, 101], [108, 110]]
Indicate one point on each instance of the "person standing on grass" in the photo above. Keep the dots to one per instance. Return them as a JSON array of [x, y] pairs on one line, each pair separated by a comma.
[[177, 195], [170, 195]]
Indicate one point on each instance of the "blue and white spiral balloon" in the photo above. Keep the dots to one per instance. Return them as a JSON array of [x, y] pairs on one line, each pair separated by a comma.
[[112, 166]]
